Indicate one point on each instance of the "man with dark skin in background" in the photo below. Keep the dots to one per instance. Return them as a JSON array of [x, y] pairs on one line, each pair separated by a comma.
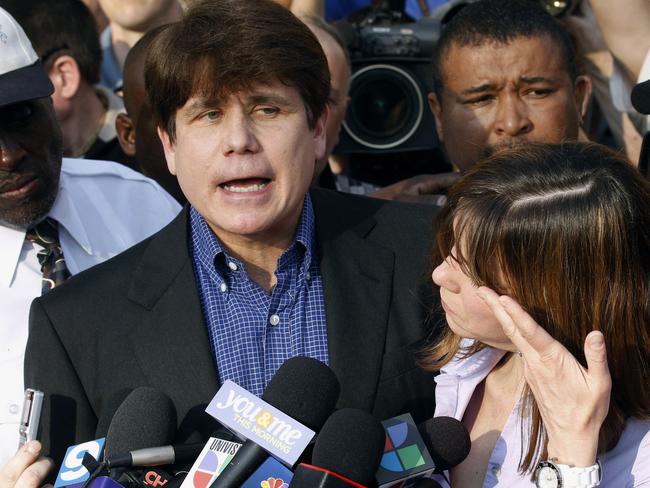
[[136, 130], [504, 73]]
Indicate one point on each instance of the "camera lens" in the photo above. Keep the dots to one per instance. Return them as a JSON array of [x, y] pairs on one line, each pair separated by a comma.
[[386, 106]]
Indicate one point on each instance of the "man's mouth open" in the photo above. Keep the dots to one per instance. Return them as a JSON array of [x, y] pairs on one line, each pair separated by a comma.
[[246, 185]]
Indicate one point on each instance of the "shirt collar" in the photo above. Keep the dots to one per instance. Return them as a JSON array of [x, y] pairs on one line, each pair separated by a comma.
[[12, 239], [207, 246], [67, 214], [11, 243], [459, 378]]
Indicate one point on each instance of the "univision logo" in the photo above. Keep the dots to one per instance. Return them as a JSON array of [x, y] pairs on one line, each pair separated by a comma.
[[213, 459], [401, 451]]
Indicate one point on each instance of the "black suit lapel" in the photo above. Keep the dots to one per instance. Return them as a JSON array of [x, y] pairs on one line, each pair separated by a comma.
[[172, 342], [357, 281]]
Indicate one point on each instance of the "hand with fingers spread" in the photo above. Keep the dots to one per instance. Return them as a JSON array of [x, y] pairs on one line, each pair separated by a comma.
[[573, 401], [26, 469]]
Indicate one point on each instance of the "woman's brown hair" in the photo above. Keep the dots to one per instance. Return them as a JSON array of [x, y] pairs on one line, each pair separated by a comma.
[[565, 230]]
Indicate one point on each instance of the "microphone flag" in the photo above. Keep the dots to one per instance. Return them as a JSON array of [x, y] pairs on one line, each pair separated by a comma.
[[405, 458], [261, 423], [271, 474], [215, 456], [73, 472]]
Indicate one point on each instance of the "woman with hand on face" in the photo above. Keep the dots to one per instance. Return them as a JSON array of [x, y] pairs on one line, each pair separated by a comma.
[[544, 276]]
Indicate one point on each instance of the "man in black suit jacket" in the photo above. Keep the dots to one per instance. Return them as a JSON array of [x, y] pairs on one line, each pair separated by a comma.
[[240, 93]]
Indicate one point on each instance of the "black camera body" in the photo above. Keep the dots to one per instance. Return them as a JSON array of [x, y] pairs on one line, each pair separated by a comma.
[[391, 78]]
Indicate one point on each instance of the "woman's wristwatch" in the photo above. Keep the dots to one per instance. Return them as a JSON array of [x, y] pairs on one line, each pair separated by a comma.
[[550, 474]]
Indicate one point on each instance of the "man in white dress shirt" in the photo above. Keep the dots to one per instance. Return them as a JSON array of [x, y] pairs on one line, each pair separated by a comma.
[[100, 208]]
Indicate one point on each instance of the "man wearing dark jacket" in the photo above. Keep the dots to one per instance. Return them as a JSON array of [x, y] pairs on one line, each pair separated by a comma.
[[257, 268]]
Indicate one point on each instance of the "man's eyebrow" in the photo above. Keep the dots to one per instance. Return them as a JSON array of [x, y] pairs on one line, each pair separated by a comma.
[[478, 89], [200, 104], [537, 79], [271, 98]]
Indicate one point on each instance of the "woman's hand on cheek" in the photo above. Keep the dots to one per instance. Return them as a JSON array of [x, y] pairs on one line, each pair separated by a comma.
[[573, 401]]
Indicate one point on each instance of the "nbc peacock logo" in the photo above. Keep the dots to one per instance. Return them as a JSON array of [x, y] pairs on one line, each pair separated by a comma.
[[274, 483]]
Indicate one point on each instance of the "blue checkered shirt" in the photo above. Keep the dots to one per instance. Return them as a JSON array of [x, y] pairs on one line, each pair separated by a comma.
[[251, 332]]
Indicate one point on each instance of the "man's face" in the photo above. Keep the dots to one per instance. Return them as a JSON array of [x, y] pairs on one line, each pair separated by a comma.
[[339, 99], [502, 94], [148, 149], [340, 80], [246, 162], [30, 161], [137, 15]]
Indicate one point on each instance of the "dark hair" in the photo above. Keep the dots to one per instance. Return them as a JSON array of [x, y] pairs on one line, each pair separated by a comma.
[[223, 46], [565, 230], [57, 27], [499, 22]]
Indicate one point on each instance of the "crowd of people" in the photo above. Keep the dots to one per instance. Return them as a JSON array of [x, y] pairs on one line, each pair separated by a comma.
[[511, 294]]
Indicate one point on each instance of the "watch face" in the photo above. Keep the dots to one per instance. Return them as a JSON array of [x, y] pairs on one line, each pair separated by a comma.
[[547, 476]]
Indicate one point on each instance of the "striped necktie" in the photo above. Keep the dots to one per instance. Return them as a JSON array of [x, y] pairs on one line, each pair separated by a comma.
[[46, 235]]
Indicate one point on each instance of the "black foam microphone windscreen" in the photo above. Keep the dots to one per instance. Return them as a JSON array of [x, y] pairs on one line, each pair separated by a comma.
[[108, 407], [305, 389], [640, 97], [351, 444], [426, 483], [146, 418], [447, 441]]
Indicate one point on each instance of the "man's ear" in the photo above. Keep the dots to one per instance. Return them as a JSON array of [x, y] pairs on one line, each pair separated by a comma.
[[436, 109], [65, 76], [125, 134], [320, 134], [168, 148], [582, 91]]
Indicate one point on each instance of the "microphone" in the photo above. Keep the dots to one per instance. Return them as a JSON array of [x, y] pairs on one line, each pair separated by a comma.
[[156, 456], [108, 408], [276, 475], [406, 456], [426, 483], [347, 452], [447, 441], [146, 418], [134, 425], [215, 455], [73, 469], [300, 396]]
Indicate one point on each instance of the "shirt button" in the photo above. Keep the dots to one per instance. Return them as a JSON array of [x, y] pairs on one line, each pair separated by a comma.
[[232, 266], [496, 470], [14, 409], [274, 319], [308, 275], [223, 287]]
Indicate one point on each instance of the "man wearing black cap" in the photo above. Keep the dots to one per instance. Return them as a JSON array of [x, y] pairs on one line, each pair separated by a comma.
[[57, 216]]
